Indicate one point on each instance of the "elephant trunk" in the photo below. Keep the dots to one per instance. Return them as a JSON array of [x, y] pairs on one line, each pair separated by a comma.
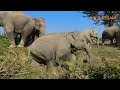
[[87, 50], [42, 31]]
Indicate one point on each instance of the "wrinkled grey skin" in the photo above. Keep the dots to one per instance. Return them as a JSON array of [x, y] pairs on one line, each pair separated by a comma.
[[17, 22], [47, 48], [111, 33]]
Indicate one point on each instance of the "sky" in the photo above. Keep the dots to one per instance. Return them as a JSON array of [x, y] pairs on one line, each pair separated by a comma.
[[64, 21]]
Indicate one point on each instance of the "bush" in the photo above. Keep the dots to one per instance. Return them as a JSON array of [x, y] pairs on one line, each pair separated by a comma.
[[109, 70]]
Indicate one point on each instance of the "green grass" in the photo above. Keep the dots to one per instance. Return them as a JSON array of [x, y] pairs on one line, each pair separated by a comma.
[[105, 64]]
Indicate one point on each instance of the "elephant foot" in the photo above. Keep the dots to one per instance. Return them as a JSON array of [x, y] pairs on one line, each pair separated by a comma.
[[20, 46], [11, 46]]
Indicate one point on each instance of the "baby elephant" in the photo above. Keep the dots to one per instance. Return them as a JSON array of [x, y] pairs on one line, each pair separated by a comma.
[[47, 48]]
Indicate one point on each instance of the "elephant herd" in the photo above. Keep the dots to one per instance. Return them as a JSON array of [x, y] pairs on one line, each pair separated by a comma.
[[47, 48]]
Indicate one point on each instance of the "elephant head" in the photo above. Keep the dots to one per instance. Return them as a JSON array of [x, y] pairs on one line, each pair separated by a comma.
[[39, 26], [78, 42], [94, 33], [38, 30], [94, 36]]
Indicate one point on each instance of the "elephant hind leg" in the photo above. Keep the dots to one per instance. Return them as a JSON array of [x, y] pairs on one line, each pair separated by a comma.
[[22, 42], [10, 36], [89, 46], [88, 52]]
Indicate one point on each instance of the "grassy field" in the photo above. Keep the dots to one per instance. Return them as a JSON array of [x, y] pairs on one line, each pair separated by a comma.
[[14, 64]]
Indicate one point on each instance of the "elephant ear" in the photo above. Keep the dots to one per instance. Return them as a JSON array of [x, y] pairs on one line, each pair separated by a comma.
[[70, 38]]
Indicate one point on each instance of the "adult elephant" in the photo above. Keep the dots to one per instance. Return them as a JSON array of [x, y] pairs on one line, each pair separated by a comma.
[[48, 48], [111, 33], [18, 22]]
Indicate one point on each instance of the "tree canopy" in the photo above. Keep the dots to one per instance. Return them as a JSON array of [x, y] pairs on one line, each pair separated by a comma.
[[106, 18]]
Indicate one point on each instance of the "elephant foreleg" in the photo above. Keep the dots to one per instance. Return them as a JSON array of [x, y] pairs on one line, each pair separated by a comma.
[[22, 42], [111, 41]]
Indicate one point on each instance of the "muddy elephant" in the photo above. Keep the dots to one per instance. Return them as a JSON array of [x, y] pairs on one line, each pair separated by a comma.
[[111, 33], [47, 48], [18, 22]]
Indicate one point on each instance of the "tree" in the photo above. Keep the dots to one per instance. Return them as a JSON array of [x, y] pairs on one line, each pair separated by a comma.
[[106, 18]]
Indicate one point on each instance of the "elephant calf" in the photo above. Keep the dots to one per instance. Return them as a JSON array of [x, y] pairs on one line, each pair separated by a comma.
[[45, 49]]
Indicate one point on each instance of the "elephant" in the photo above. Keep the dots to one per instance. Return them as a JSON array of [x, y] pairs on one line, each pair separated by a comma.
[[20, 23], [89, 35], [111, 33], [48, 48]]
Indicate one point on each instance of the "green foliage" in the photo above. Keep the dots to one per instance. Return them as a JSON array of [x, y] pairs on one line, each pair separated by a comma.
[[109, 70], [4, 40], [107, 21]]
